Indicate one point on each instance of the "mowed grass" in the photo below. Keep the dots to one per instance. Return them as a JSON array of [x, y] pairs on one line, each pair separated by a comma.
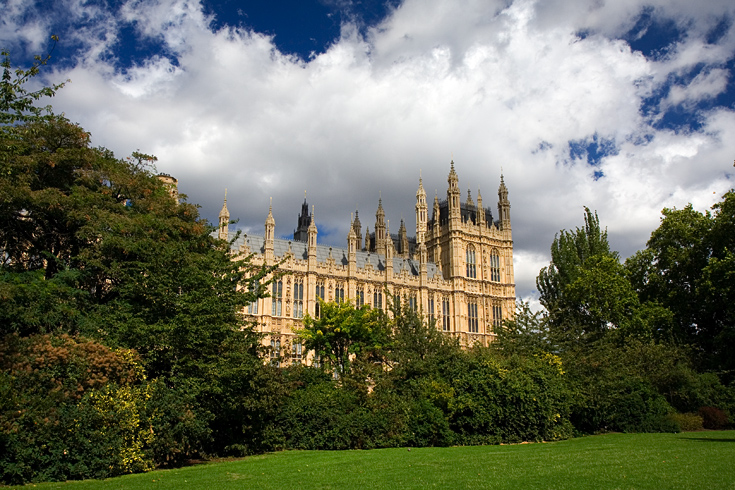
[[700, 460]]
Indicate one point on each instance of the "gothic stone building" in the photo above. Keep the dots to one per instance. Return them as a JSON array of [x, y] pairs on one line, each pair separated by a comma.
[[457, 270]]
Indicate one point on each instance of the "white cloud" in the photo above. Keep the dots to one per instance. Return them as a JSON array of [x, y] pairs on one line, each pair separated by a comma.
[[704, 86], [495, 84]]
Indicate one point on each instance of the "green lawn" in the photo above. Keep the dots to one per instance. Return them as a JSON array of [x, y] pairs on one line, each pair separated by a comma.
[[703, 460]]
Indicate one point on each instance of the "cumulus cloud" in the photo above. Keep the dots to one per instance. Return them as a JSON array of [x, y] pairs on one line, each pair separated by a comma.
[[511, 85]]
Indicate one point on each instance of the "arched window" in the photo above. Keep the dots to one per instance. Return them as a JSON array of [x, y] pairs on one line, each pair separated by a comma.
[[378, 300], [497, 315], [472, 323], [253, 306], [277, 296], [446, 324], [430, 309], [319, 295], [471, 264], [298, 298], [495, 266], [275, 353]]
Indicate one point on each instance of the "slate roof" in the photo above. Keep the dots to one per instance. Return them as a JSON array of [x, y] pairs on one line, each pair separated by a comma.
[[300, 250]]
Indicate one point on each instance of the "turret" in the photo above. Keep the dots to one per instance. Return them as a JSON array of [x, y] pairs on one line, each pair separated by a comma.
[[172, 186], [421, 213], [423, 257], [301, 233], [352, 249], [437, 231], [388, 251], [503, 205], [224, 220], [470, 206], [403, 240], [311, 246], [480, 210], [357, 226], [453, 194], [270, 230], [380, 228]]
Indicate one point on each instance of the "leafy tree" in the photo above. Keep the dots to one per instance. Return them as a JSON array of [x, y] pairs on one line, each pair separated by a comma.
[[95, 246], [417, 345], [343, 330], [588, 293], [689, 267], [527, 333], [17, 103], [575, 257]]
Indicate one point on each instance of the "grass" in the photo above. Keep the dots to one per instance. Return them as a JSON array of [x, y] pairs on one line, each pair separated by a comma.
[[688, 460]]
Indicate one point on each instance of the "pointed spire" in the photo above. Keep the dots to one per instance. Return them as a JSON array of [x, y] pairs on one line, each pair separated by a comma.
[[420, 192], [311, 222], [503, 205], [470, 202], [224, 220], [225, 213], [269, 220], [452, 174], [453, 194], [352, 235]]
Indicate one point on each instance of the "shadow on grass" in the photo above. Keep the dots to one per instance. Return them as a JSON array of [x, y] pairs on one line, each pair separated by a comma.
[[706, 439]]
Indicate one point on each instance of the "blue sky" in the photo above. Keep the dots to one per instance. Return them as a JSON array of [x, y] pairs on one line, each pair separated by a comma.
[[626, 107]]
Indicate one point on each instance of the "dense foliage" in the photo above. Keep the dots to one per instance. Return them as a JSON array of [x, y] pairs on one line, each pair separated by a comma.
[[102, 272], [627, 333], [123, 345]]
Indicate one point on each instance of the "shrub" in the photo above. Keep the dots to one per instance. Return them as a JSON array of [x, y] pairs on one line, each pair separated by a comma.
[[713, 418], [508, 400], [179, 426], [687, 422], [69, 409]]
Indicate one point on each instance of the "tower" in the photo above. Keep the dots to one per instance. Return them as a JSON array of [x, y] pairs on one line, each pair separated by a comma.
[[480, 210], [352, 239], [224, 220], [503, 205], [380, 228], [421, 213], [301, 233], [357, 226], [312, 240], [270, 230], [436, 227], [453, 195], [403, 240]]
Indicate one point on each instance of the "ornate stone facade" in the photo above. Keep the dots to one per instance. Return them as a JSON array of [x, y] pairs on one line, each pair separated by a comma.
[[457, 270]]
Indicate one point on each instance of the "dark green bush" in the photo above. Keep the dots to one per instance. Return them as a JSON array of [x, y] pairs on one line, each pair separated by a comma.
[[179, 425], [508, 400]]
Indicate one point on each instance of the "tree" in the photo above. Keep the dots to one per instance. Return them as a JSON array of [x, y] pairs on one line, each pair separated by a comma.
[[689, 267], [17, 103], [418, 347], [343, 330], [526, 334], [94, 246]]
